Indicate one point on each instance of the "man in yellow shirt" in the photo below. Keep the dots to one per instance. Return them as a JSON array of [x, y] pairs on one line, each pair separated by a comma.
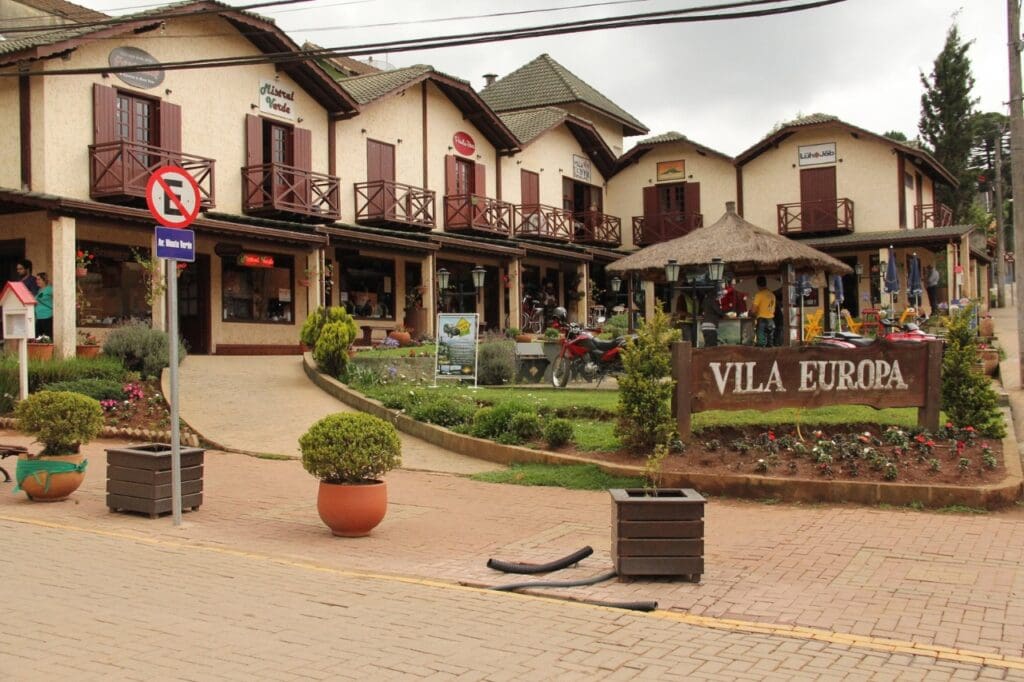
[[763, 308]]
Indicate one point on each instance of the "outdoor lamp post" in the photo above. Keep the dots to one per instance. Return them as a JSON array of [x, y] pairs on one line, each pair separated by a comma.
[[716, 268], [479, 274], [859, 270], [443, 276]]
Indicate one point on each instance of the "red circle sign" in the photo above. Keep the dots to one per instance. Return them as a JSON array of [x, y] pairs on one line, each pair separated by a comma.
[[172, 195], [463, 143]]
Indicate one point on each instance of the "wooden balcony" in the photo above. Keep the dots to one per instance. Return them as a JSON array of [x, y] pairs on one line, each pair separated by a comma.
[[392, 204], [816, 217], [932, 215], [472, 213], [661, 227], [119, 171], [597, 229], [274, 190], [542, 222]]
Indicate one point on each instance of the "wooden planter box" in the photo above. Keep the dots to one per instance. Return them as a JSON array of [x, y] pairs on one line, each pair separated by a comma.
[[139, 478], [660, 535]]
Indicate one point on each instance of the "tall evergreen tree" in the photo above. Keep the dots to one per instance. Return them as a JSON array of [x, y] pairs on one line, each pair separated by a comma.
[[946, 125]]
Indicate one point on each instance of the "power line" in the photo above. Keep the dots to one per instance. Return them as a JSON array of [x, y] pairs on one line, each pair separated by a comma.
[[626, 21]]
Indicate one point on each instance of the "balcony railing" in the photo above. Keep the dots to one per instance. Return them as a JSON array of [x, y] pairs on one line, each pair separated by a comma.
[[474, 213], [395, 205], [542, 222], [932, 215], [597, 229], [120, 170], [661, 227], [277, 190], [814, 217]]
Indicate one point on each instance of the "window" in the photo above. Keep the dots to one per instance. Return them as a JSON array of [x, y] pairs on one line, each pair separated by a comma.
[[366, 286], [113, 289], [257, 287], [135, 119]]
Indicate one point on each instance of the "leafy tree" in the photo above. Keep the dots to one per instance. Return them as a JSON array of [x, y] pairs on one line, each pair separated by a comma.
[[946, 125], [896, 135]]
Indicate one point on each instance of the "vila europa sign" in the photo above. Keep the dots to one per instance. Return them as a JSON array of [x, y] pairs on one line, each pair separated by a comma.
[[463, 143]]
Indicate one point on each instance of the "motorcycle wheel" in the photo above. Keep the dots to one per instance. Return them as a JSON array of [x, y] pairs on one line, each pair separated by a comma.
[[561, 373]]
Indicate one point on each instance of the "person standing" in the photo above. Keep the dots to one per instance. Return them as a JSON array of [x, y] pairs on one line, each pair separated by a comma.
[[932, 287], [712, 315], [763, 308], [44, 306], [24, 270]]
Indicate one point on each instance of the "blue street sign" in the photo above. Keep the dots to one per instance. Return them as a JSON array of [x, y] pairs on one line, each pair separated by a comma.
[[174, 243]]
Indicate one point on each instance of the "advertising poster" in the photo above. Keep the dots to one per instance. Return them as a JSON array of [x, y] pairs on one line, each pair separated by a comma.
[[456, 345]]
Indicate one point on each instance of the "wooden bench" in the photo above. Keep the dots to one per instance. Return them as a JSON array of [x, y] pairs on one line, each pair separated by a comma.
[[10, 451]]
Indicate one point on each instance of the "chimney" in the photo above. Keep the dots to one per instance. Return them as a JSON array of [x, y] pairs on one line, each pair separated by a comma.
[[489, 79]]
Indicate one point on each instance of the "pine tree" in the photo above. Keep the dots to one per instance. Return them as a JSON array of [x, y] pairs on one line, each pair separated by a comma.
[[967, 394], [946, 125]]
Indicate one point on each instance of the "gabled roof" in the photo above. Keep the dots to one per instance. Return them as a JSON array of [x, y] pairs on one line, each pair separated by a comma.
[[671, 137], [340, 65], [64, 10], [531, 124], [262, 32], [931, 166], [374, 86], [545, 82], [20, 292]]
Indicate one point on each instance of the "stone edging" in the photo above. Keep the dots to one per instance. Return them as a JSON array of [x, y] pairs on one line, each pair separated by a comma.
[[754, 487], [148, 435]]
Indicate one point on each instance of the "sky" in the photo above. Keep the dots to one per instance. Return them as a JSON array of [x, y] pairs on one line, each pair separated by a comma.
[[722, 84]]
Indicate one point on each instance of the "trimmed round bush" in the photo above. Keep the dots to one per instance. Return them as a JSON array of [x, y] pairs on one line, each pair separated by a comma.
[[331, 351], [444, 410], [525, 425], [60, 420], [319, 318], [497, 362], [495, 422], [558, 432], [141, 349], [350, 448], [100, 389]]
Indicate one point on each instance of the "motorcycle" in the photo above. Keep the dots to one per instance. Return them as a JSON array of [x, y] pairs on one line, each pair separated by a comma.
[[584, 356]]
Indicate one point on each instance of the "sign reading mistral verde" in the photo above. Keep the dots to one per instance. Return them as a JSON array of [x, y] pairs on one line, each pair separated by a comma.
[[817, 154], [739, 377], [581, 168], [277, 100]]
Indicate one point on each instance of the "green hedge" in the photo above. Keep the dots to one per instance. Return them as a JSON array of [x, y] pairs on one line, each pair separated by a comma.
[[45, 372]]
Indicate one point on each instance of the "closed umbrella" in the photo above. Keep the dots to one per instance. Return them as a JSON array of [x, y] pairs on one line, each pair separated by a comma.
[[837, 289], [892, 278], [914, 280]]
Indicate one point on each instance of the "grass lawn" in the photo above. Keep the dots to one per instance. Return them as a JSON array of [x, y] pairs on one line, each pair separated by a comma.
[[571, 476]]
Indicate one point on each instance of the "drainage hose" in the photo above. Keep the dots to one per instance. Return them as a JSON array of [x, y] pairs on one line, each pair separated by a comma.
[[632, 606], [530, 569]]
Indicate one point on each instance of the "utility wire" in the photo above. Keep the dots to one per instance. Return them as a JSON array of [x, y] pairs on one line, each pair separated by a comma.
[[628, 21]]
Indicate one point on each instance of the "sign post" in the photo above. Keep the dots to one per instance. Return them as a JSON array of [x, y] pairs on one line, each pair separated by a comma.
[[173, 198]]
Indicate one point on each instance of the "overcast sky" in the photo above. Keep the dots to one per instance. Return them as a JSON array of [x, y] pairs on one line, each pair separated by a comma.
[[724, 84]]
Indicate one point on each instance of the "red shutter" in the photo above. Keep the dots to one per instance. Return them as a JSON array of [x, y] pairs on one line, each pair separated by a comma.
[[480, 179], [170, 126], [449, 175], [303, 141], [104, 104], [253, 140], [651, 208], [530, 183], [691, 197]]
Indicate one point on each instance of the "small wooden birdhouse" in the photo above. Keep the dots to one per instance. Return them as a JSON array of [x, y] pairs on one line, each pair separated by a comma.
[[19, 307]]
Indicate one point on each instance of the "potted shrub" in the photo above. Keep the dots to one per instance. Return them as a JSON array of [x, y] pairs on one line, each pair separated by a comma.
[[88, 346], [402, 335], [62, 421], [349, 452], [40, 348]]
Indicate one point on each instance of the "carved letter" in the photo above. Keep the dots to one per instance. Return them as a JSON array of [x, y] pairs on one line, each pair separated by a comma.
[[845, 379], [865, 375], [774, 378], [721, 377], [826, 375], [896, 377], [807, 382], [882, 371]]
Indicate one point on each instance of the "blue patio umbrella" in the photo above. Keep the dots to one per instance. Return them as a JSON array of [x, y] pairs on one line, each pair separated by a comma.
[[837, 289], [914, 280], [892, 277]]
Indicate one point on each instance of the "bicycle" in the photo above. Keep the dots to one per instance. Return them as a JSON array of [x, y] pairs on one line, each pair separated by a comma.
[[533, 316]]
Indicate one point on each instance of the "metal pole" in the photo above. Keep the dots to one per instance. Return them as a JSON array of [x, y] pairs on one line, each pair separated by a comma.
[[1000, 228], [172, 340], [1016, 155]]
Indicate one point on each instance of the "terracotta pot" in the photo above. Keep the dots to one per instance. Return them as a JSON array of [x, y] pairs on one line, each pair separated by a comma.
[[40, 351], [81, 272], [524, 338], [87, 351], [986, 327], [403, 338], [61, 484], [989, 360], [352, 510]]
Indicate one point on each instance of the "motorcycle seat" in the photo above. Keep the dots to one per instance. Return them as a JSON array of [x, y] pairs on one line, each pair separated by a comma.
[[605, 345]]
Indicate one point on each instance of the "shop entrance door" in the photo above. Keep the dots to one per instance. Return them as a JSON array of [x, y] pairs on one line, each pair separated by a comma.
[[194, 305]]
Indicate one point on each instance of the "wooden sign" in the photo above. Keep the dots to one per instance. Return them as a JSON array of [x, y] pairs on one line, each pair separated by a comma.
[[881, 375]]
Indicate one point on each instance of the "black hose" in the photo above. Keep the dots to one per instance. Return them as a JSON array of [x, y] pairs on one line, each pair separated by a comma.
[[557, 583], [530, 569]]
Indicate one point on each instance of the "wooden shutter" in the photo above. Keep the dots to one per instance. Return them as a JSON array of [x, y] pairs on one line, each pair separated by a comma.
[[380, 161], [818, 194], [253, 140], [104, 105], [302, 153], [530, 188], [170, 127], [651, 202], [691, 197], [449, 174], [480, 179]]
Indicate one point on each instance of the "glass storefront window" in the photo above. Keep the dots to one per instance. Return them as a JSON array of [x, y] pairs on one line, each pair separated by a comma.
[[113, 289], [366, 286], [258, 287]]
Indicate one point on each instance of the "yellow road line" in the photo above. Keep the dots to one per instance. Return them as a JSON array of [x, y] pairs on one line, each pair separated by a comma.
[[729, 624]]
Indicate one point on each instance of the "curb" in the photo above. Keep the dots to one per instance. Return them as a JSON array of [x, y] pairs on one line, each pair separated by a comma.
[[190, 439], [992, 496]]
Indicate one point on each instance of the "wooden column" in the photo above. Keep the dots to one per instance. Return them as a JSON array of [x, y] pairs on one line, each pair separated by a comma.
[[515, 293], [928, 416], [65, 285], [682, 354]]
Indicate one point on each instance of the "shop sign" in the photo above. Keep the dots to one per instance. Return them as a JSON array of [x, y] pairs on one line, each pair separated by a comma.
[[133, 56], [817, 154], [463, 143], [276, 100], [581, 167], [255, 260], [456, 346]]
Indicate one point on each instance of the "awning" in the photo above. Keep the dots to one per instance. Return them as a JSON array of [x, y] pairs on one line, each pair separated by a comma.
[[390, 239]]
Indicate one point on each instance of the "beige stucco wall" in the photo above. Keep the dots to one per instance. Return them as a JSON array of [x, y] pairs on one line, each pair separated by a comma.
[[214, 103], [10, 141], [444, 119], [717, 178], [609, 129], [550, 156], [865, 173]]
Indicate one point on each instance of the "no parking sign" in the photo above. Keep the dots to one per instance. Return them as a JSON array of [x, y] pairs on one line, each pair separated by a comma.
[[172, 195]]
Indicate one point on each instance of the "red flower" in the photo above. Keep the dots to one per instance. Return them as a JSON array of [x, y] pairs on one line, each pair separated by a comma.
[[960, 445], [969, 429], [949, 425], [920, 438], [771, 435]]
